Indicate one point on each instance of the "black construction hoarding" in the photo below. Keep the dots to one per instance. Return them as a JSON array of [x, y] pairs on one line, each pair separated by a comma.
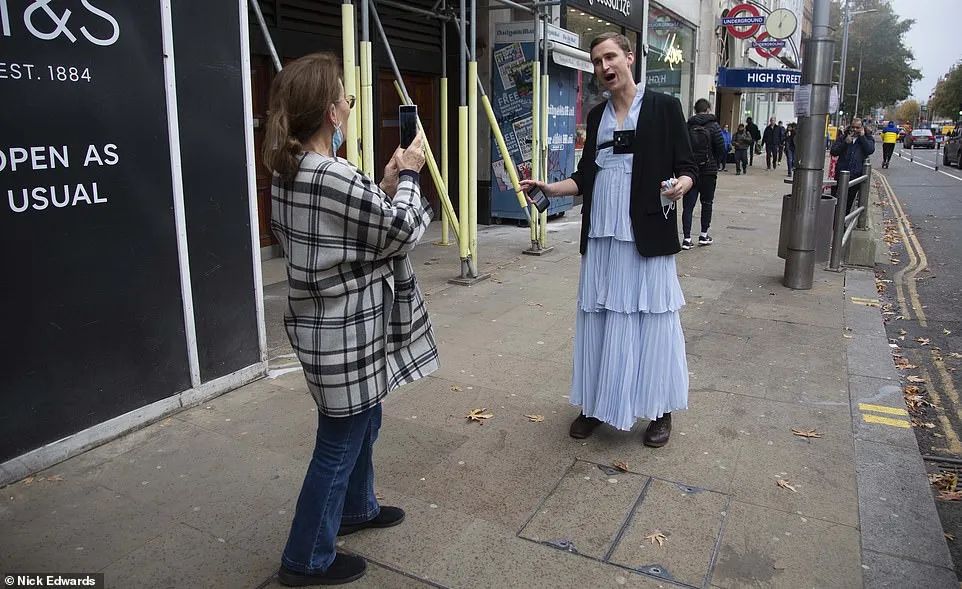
[[95, 219]]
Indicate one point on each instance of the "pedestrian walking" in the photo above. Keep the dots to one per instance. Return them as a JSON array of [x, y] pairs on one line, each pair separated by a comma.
[[790, 134], [708, 148], [629, 357], [355, 315], [742, 143], [890, 136], [852, 147], [756, 135], [727, 136], [781, 144], [771, 140]]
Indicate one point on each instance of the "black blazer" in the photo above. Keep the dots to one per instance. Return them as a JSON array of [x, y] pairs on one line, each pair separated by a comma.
[[662, 150]]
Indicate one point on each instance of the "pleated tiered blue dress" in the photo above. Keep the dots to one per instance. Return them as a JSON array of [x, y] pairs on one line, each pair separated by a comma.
[[629, 356]]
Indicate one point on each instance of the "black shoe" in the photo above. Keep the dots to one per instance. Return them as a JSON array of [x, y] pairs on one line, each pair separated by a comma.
[[705, 240], [658, 431], [738, 172], [583, 426], [389, 517], [686, 244], [344, 569]]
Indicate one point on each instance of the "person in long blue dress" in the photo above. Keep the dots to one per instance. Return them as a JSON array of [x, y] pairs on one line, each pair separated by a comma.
[[629, 356]]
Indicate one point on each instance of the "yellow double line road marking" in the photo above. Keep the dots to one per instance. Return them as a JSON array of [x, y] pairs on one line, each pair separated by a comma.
[[905, 278], [881, 420]]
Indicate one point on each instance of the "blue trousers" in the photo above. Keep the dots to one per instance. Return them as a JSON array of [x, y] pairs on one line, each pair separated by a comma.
[[338, 488]]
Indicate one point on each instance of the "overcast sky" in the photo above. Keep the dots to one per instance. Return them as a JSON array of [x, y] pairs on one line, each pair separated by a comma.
[[933, 39]]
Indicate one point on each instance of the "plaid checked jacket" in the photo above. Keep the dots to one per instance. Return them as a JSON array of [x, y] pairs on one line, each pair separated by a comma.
[[355, 317]]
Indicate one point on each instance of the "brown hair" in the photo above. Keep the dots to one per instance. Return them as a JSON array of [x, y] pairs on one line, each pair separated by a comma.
[[301, 96], [620, 40]]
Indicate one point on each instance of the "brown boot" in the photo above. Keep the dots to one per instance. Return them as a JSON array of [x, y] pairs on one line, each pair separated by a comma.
[[582, 426], [658, 431]]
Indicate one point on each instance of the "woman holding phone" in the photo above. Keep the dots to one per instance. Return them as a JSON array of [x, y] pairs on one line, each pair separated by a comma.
[[355, 317], [629, 358]]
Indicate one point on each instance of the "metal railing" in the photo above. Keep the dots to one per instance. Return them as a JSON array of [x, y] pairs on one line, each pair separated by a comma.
[[847, 221]]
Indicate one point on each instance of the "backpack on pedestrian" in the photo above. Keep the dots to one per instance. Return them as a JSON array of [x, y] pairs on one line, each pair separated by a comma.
[[700, 144]]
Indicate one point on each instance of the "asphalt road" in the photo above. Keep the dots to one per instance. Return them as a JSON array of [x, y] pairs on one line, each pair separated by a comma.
[[924, 217]]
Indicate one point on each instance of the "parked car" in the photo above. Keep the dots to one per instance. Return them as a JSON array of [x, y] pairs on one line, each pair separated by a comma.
[[952, 152], [919, 138]]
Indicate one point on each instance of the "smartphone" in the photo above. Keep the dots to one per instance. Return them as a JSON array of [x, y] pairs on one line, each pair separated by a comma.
[[540, 200], [408, 123]]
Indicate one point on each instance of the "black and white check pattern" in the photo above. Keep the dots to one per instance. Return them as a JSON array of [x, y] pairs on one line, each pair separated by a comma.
[[355, 317]]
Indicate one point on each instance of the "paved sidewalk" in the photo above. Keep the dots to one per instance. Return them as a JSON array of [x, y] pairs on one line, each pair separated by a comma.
[[205, 497]]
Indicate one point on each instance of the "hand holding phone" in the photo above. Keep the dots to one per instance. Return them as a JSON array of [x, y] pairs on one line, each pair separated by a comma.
[[407, 123]]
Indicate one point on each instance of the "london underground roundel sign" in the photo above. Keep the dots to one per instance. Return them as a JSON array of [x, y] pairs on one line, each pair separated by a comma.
[[738, 31]]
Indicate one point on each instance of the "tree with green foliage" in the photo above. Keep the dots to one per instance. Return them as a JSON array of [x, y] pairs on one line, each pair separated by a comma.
[[947, 98], [908, 111], [878, 37]]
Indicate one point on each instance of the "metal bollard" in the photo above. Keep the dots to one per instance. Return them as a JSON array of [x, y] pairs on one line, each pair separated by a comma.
[[840, 203], [864, 191]]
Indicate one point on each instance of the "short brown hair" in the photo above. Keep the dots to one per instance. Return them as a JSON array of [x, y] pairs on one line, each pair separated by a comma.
[[301, 95], [620, 40]]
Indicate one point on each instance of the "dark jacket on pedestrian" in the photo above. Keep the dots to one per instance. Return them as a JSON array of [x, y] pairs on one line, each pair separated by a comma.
[[851, 156], [773, 137], [790, 139], [742, 140], [716, 149], [753, 131], [661, 150]]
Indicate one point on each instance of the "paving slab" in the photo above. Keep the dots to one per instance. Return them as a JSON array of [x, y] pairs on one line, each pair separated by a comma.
[[376, 577], [883, 571], [690, 520], [586, 511], [898, 516], [763, 547], [185, 557]]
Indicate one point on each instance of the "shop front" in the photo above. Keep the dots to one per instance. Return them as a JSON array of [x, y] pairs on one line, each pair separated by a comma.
[[588, 19], [670, 64]]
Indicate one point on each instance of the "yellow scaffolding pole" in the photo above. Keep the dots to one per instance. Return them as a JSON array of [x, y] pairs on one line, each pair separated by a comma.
[[446, 207], [464, 232], [350, 82], [472, 211], [543, 221], [444, 158], [505, 154], [367, 111], [535, 141]]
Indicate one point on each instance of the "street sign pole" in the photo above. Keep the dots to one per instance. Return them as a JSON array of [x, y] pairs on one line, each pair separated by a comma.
[[807, 187]]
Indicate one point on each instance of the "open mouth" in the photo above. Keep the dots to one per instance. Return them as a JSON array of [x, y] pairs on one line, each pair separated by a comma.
[[610, 77]]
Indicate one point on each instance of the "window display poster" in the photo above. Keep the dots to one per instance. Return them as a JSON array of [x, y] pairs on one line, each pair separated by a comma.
[[512, 104]]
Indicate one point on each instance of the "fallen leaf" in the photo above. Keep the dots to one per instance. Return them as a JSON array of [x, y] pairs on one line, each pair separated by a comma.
[[944, 481], [902, 332], [946, 332], [955, 354], [806, 433], [57, 478], [923, 340], [656, 536], [915, 379], [949, 537], [456, 389], [535, 418], [28, 480], [620, 465], [925, 424], [950, 496], [786, 485], [478, 415]]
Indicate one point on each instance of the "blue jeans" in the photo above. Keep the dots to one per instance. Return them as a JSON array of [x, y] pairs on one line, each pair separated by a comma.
[[338, 488], [790, 156]]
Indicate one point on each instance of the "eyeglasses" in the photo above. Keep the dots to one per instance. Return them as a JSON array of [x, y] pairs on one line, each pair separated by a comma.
[[350, 99]]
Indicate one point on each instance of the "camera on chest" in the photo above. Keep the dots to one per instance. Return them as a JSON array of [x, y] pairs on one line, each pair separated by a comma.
[[623, 142]]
